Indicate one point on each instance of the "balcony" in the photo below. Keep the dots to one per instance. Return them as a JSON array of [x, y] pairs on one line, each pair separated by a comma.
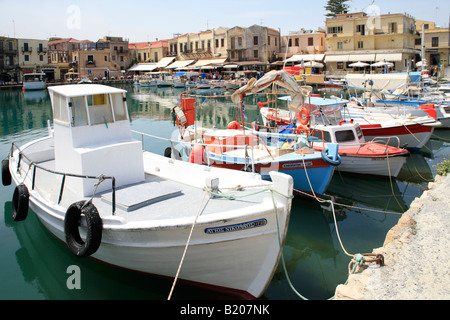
[[90, 63], [27, 49]]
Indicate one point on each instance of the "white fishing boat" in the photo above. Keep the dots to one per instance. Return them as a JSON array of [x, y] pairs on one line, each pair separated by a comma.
[[94, 188], [164, 79], [34, 81], [359, 156], [412, 132]]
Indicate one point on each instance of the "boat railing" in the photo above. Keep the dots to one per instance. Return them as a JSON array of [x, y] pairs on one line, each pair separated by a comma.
[[31, 163], [205, 145], [386, 141]]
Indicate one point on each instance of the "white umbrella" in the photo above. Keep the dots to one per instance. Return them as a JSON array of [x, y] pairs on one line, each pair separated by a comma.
[[420, 63], [312, 64], [359, 64], [382, 64]]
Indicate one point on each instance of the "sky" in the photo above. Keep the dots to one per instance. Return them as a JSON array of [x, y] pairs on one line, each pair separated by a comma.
[[148, 20]]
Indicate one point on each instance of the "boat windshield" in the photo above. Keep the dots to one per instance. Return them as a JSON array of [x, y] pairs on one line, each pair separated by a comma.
[[91, 109], [345, 136]]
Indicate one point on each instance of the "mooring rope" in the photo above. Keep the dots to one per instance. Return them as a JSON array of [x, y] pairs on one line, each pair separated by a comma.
[[357, 259], [187, 245]]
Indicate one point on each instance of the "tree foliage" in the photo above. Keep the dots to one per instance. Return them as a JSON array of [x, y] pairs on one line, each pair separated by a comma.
[[336, 6]]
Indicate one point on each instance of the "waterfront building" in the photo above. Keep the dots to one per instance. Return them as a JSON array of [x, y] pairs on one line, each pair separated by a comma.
[[33, 56], [352, 37], [255, 43], [303, 42], [60, 56], [9, 60], [108, 57], [436, 43]]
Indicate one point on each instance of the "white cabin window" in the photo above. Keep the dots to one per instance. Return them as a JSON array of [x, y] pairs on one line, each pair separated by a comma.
[[60, 111], [99, 109], [120, 112], [79, 115]]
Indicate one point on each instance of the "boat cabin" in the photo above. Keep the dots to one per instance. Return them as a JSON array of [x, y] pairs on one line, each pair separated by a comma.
[[92, 136], [346, 134]]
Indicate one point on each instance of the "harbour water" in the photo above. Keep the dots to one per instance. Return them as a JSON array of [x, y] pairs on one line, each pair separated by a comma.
[[34, 265]]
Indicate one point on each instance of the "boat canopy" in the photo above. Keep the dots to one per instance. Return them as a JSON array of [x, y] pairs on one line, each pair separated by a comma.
[[391, 81]]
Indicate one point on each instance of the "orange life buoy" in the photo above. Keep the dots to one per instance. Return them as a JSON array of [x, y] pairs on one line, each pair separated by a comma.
[[304, 116], [234, 125]]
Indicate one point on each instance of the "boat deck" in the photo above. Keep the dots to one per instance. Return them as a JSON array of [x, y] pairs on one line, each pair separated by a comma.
[[151, 198]]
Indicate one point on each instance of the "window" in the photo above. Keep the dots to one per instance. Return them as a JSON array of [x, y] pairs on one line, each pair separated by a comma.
[[79, 116], [322, 135], [217, 43], [343, 136], [335, 29], [255, 53], [60, 111], [393, 27], [222, 42], [290, 42], [340, 65], [41, 58], [435, 42], [99, 109], [268, 40], [255, 40], [361, 28], [297, 42], [310, 41], [106, 57], [118, 106], [339, 45], [26, 57], [240, 41], [360, 44]]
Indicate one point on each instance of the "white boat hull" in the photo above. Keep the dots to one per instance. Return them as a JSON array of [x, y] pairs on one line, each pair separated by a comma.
[[232, 249], [34, 85], [376, 166]]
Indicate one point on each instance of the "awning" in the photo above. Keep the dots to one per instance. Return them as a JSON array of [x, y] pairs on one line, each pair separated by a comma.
[[389, 57], [143, 67], [305, 57], [337, 58], [164, 62], [362, 57], [202, 63], [180, 64]]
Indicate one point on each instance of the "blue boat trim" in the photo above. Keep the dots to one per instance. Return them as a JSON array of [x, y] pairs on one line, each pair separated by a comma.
[[237, 227]]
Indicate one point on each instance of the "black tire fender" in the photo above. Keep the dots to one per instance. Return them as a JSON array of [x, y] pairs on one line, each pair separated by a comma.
[[94, 229], [6, 175], [20, 203]]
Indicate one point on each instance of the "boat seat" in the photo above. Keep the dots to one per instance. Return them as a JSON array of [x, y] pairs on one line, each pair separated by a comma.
[[130, 198]]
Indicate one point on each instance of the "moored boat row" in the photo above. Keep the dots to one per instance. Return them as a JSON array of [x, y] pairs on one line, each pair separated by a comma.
[[93, 187]]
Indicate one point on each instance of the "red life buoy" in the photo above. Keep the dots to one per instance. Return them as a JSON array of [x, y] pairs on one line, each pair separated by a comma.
[[234, 125], [304, 116]]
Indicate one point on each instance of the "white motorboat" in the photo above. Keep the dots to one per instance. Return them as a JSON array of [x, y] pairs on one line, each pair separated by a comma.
[[34, 81], [358, 154], [93, 187]]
